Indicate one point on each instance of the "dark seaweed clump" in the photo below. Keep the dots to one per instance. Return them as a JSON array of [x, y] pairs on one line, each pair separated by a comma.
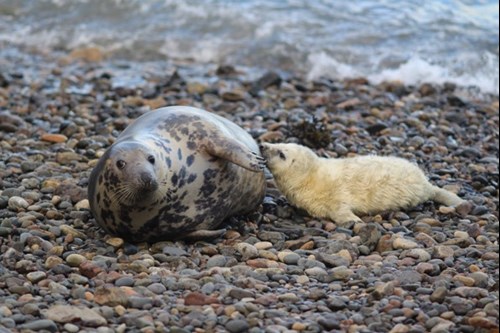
[[312, 133]]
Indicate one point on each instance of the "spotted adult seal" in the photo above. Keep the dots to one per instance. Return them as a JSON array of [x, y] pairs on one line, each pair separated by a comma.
[[176, 172]]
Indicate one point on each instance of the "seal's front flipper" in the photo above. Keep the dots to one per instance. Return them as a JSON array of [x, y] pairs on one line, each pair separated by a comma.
[[204, 234], [235, 152]]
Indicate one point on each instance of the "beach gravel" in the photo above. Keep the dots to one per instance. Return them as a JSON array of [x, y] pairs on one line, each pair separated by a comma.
[[428, 269]]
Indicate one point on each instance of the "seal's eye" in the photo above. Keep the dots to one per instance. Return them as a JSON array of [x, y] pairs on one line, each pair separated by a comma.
[[120, 164], [282, 155], [151, 159]]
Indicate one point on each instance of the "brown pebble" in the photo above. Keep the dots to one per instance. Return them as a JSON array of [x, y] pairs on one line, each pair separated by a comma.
[[430, 221], [447, 210], [209, 250], [297, 243], [443, 251], [196, 298], [54, 138], [258, 263], [89, 296], [329, 226], [89, 269], [308, 246], [271, 136], [474, 268], [115, 242], [155, 103], [464, 208], [120, 310], [69, 239], [299, 327], [266, 300], [51, 183], [384, 244], [25, 298], [467, 281], [111, 296], [439, 294], [53, 261], [235, 95], [425, 239], [490, 256], [232, 234], [349, 103], [483, 323], [54, 215]]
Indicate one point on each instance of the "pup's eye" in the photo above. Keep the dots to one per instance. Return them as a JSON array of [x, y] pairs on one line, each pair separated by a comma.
[[282, 155], [120, 164], [151, 159]]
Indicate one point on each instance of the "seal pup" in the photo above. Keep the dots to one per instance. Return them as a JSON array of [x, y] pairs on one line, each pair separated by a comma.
[[338, 189], [175, 173]]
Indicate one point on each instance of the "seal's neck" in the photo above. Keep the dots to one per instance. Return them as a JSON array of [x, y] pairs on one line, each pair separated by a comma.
[[293, 180]]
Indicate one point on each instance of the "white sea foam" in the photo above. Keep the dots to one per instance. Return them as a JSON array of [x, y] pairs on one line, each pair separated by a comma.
[[414, 71], [417, 71], [323, 65]]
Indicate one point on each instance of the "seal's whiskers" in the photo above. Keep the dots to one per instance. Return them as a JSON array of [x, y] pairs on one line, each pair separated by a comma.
[[125, 193]]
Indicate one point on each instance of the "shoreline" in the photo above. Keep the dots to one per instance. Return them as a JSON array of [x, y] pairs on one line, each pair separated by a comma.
[[97, 56], [277, 270]]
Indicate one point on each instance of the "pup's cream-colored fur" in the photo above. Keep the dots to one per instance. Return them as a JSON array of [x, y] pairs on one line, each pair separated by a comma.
[[339, 189]]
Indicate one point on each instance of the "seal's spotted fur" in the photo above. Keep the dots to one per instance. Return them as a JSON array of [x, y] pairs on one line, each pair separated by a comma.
[[176, 172]]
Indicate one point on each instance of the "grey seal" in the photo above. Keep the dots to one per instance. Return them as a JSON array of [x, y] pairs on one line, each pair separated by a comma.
[[342, 189], [176, 173]]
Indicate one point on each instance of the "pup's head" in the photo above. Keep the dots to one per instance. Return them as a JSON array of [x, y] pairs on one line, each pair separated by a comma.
[[283, 158]]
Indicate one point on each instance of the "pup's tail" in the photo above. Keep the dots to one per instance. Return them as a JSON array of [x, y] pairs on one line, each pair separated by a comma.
[[445, 197]]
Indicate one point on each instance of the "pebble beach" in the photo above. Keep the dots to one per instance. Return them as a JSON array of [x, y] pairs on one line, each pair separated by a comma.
[[429, 269]]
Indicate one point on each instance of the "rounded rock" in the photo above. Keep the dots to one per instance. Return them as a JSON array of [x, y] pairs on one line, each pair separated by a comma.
[[263, 245], [420, 254], [289, 258], [443, 252], [404, 244], [18, 204], [480, 279], [157, 288], [37, 276], [237, 326], [289, 298], [247, 251], [217, 261], [75, 259]]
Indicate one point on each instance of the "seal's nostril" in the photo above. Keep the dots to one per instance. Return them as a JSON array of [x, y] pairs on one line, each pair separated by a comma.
[[146, 178]]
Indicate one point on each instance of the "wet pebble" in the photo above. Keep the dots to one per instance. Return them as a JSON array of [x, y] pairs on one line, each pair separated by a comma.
[[39, 325], [75, 259], [237, 326], [247, 251], [217, 261], [404, 244], [17, 203]]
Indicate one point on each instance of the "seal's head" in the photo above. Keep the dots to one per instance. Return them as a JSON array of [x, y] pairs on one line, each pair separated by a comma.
[[286, 158], [131, 172]]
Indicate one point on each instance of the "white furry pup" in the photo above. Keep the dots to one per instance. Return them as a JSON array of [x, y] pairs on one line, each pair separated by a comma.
[[340, 188]]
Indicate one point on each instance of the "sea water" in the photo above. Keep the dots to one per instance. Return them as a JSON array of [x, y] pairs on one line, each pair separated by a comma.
[[412, 41]]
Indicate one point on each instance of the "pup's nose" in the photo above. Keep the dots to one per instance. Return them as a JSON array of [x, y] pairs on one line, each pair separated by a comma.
[[262, 147]]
